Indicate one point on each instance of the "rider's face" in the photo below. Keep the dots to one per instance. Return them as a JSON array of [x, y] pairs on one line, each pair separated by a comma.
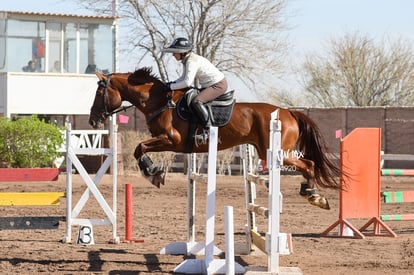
[[177, 56]]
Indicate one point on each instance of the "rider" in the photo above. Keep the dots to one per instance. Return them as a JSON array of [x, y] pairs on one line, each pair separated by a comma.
[[198, 72]]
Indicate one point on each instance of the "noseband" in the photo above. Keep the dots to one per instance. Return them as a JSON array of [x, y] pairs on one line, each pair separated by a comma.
[[104, 110]]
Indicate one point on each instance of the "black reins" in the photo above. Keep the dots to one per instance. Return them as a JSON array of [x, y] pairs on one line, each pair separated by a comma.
[[170, 105]]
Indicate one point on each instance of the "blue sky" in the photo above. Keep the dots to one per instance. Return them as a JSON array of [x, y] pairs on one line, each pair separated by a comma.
[[313, 22]]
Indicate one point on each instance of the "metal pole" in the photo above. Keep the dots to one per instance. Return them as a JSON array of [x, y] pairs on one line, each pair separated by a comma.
[[114, 136], [68, 237]]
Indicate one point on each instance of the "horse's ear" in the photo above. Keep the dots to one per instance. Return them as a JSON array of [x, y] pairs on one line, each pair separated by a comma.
[[100, 76]]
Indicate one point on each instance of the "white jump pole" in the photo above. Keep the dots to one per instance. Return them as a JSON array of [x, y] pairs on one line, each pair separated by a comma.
[[68, 237], [276, 242], [191, 247], [275, 154], [229, 231], [114, 171], [211, 195], [209, 265], [191, 194]]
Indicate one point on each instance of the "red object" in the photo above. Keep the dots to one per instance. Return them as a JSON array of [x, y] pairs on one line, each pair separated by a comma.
[[128, 215], [29, 174], [128, 211], [38, 48]]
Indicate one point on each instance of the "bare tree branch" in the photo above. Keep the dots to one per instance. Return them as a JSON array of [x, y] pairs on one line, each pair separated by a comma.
[[358, 72], [242, 37]]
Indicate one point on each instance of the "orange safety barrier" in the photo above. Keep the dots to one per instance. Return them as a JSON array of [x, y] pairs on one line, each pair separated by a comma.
[[361, 185]]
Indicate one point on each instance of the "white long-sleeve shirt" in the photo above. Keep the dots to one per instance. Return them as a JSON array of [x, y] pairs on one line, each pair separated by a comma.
[[197, 71]]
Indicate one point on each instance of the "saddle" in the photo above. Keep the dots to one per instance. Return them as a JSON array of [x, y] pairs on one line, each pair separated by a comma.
[[220, 110]]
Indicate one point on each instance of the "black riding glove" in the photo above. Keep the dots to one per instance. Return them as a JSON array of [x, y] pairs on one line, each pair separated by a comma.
[[168, 86]]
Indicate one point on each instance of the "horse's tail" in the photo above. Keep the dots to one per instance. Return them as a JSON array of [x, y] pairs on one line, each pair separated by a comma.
[[313, 146]]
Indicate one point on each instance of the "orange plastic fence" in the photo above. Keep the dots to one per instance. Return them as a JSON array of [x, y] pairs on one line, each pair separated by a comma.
[[361, 184]]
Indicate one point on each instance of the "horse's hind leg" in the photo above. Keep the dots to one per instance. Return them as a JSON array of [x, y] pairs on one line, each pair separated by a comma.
[[308, 190]]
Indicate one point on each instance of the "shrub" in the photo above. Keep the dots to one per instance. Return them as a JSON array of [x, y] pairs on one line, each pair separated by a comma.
[[28, 142]]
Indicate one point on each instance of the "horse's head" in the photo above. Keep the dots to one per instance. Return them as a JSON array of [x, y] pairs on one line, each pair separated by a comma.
[[141, 88], [107, 99]]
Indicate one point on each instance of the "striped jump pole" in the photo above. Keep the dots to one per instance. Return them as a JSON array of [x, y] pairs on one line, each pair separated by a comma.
[[397, 172], [398, 197]]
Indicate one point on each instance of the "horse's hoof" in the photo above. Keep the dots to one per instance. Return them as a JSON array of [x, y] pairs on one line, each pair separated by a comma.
[[320, 201], [158, 178], [153, 181]]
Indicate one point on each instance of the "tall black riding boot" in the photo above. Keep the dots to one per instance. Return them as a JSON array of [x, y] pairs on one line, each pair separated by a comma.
[[202, 113]]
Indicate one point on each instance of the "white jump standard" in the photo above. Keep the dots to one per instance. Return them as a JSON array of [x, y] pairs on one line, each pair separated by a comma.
[[209, 265], [87, 147], [275, 242], [191, 246]]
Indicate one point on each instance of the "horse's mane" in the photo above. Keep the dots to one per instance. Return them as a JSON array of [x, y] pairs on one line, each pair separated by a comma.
[[143, 75]]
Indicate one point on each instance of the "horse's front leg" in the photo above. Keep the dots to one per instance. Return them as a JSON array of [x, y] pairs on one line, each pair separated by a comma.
[[308, 188], [149, 170]]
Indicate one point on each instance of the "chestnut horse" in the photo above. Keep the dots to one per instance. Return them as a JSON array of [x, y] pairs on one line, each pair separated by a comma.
[[249, 124]]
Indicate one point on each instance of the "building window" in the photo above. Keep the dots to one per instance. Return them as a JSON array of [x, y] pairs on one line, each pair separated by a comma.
[[56, 63], [68, 48], [25, 46]]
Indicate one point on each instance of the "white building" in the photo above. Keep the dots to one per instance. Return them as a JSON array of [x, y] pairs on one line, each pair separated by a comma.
[[66, 50]]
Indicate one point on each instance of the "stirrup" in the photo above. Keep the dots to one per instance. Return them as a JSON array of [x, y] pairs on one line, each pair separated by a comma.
[[201, 139]]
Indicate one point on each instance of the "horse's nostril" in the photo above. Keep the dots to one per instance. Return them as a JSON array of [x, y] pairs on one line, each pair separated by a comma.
[[92, 123]]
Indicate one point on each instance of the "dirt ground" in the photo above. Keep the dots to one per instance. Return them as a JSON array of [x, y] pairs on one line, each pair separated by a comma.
[[160, 218]]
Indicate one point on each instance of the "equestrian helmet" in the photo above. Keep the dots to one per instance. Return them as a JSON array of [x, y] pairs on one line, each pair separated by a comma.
[[179, 45]]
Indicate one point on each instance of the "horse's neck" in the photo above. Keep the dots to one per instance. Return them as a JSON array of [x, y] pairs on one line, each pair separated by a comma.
[[127, 91]]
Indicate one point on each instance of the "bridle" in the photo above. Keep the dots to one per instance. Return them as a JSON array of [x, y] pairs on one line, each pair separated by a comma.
[[104, 110]]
